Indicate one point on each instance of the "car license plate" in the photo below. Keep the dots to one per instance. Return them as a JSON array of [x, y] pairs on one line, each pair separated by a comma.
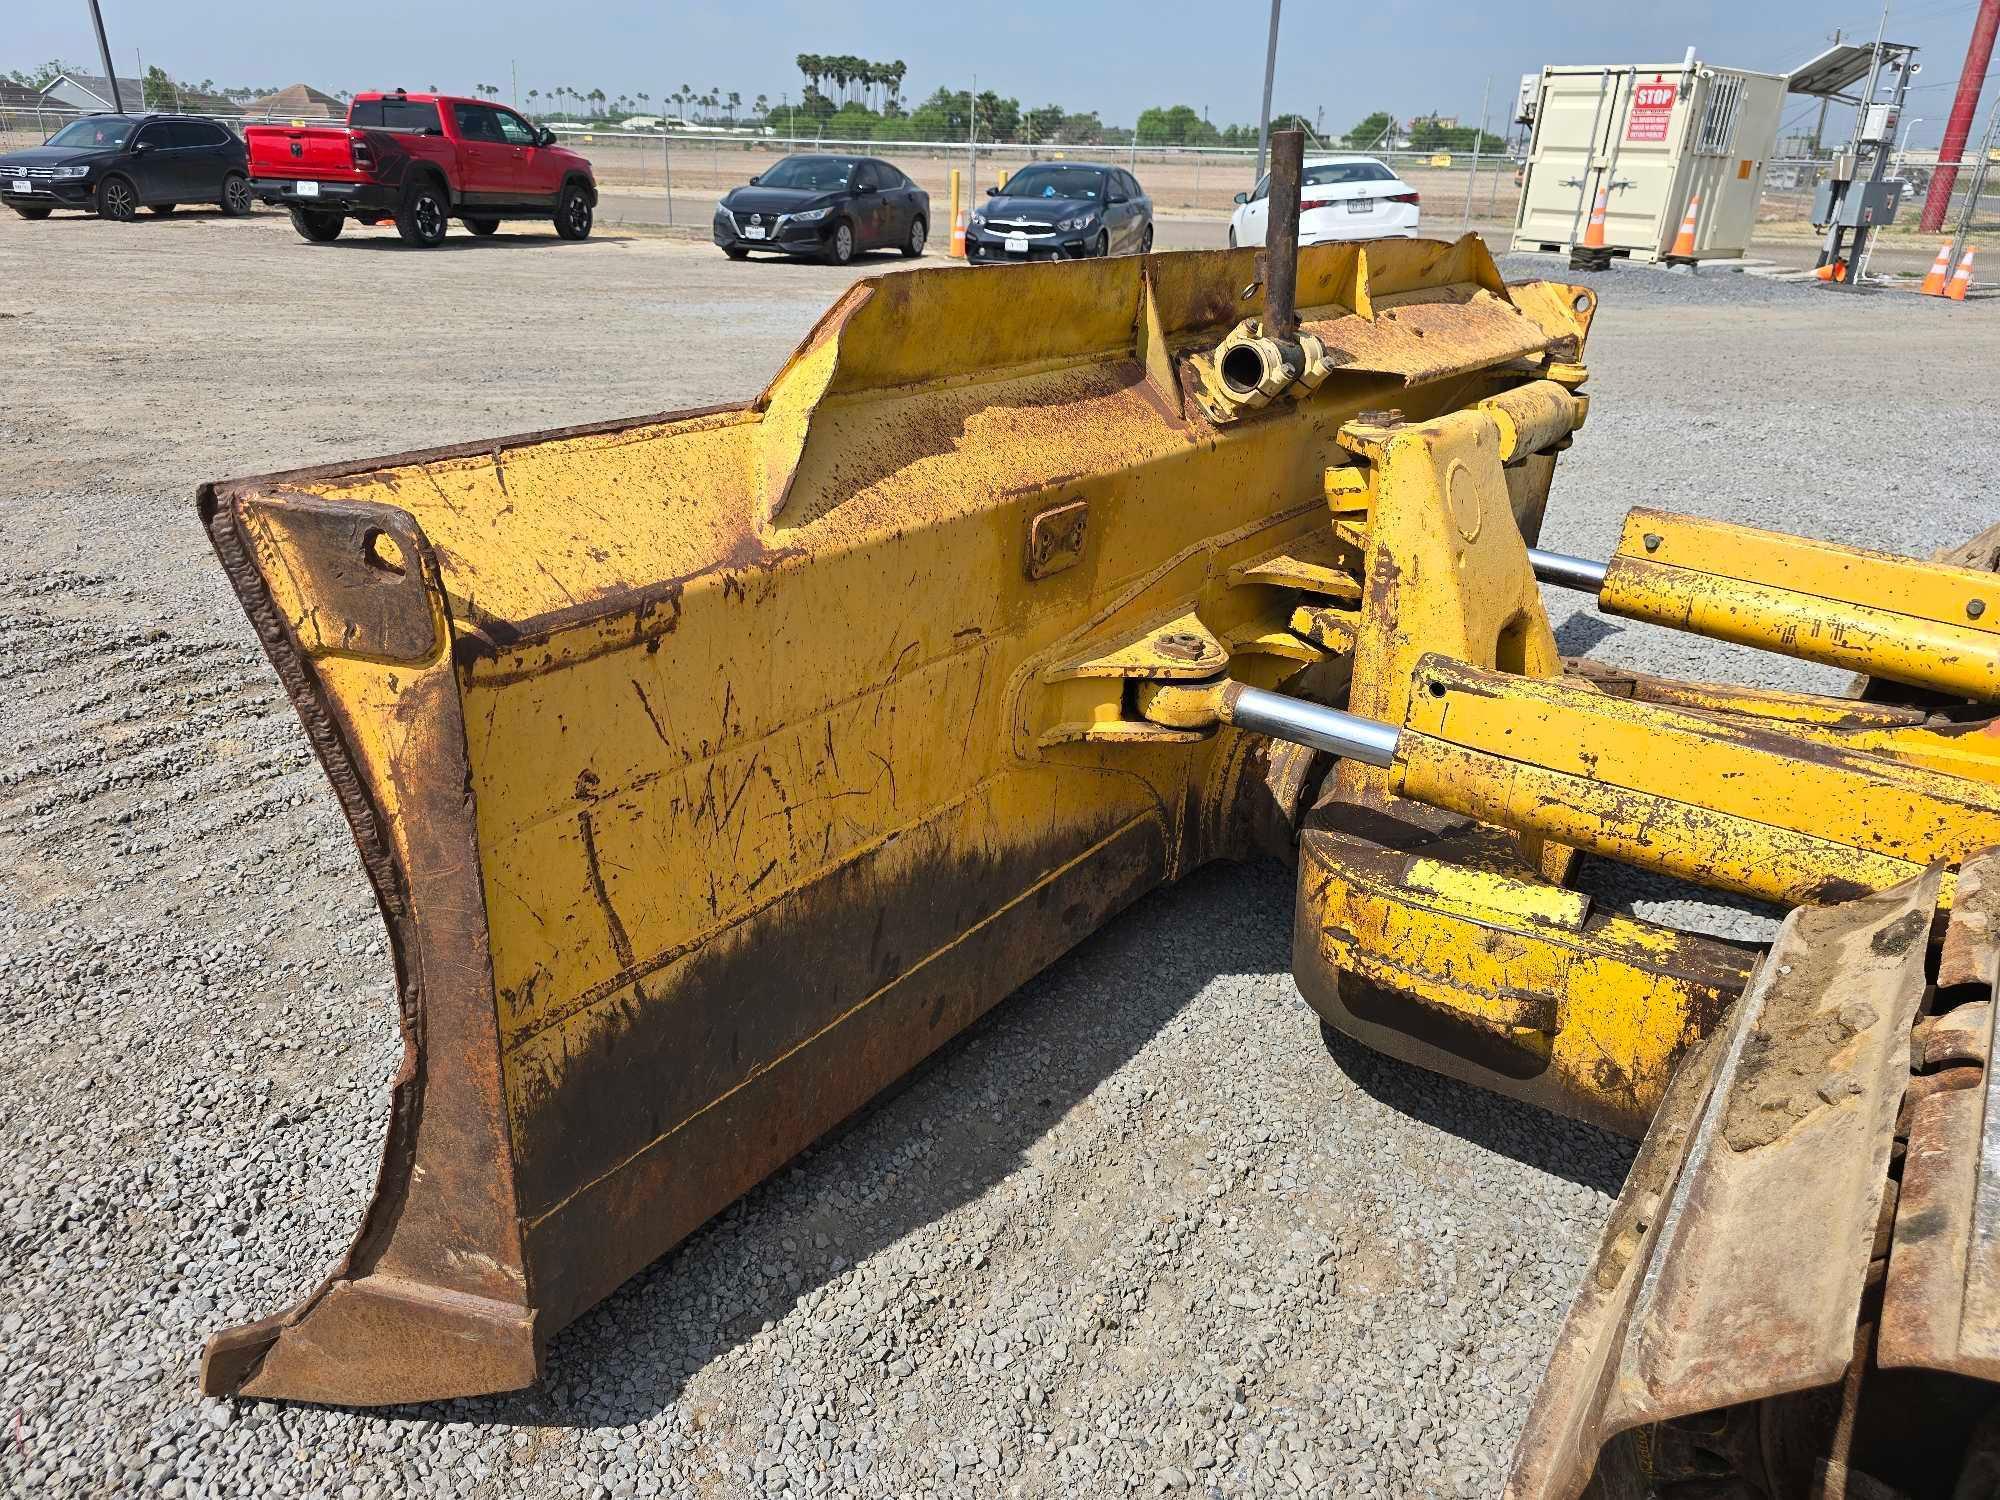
[[1017, 244], [22, 185], [1360, 205], [753, 231], [306, 189]]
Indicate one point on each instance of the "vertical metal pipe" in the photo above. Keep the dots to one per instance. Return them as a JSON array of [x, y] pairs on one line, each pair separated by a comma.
[[667, 162], [1478, 140], [1281, 236], [1964, 105], [104, 54], [1270, 73]]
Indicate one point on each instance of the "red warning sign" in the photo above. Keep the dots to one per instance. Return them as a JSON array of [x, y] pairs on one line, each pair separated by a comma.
[[1652, 108]]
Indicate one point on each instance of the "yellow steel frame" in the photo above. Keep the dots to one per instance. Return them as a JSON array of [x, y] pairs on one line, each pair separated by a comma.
[[1924, 624]]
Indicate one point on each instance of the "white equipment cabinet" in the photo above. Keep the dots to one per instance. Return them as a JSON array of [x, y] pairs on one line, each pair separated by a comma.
[[1650, 138]]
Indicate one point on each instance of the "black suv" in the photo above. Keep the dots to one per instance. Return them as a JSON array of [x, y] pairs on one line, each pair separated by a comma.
[[113, 165], [1061, 211]]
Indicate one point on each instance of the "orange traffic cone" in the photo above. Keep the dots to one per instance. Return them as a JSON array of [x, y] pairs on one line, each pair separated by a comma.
[[1836, 271], [958, 235], [1940, 272], [1593, 232], [1684, 241], [1961, 279]]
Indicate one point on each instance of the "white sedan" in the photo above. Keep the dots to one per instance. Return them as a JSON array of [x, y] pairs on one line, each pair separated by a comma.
[[1343, 198]]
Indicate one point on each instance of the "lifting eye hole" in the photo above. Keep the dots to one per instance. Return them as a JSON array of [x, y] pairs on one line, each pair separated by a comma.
[[383, 554], [1437, 689], [1582, 302]]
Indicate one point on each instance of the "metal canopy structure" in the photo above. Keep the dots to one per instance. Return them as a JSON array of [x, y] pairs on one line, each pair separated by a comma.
[[1837, 70]]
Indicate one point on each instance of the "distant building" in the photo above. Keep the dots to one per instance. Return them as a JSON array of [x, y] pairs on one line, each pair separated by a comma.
[[90, 92], [299, 102], [194, 102], [18, 98], [640, 122]]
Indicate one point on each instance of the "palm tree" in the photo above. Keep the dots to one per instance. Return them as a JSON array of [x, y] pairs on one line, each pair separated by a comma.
[[735, 103], [533, 95], [761, 105]]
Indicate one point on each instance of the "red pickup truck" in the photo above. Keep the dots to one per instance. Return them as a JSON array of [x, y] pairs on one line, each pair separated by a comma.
[[420, 160]]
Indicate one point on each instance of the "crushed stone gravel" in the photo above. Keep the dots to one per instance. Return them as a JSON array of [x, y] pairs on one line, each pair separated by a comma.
[[1142, 1231]]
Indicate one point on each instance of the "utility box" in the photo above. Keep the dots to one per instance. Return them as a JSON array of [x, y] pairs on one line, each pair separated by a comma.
[[1651, 139], [1865, 205]]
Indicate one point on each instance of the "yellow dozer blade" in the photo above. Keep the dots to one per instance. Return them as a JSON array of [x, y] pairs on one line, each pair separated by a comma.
[[713, 769]]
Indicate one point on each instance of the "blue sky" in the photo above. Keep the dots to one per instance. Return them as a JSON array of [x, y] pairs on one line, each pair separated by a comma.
[[1116, 56]]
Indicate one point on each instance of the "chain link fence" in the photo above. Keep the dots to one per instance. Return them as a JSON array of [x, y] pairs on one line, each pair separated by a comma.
[[1459, 187], [1195, 180]]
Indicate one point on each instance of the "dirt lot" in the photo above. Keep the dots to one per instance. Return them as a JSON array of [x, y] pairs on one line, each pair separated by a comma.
[[1139, 1233]]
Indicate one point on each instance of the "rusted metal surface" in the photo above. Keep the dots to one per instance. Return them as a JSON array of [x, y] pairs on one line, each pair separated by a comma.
[[1281, 235], [432, 1298], [1941, 1302], [1055, 538], [1734, 1264], [707, 767], [1726, 802]]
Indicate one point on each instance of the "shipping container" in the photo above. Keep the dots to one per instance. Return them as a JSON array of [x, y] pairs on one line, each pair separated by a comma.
[[1650, 139]]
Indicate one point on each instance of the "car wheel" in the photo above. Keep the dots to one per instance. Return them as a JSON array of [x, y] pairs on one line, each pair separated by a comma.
[[236, 195], [840, 248], [482, 227], [117, 200], [320, 228], [573, 214], [162, 209], [919, 232], [1146, 241], [32, 210], [1103, 244], [424, 215], [735, 252]]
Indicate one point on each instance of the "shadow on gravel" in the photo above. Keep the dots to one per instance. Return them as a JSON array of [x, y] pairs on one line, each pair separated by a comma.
[[981, 1104], [525, 240], [1584, 631], [1568, 1149]]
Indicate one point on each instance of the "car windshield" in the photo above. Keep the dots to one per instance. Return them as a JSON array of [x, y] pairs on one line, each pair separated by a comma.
[[99, 132], [1336, 173], [1057, 182], [819, 174]]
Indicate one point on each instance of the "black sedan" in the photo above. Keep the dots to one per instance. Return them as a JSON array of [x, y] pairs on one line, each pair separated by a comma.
[[1061, 211], [832, 207], [114, 165]]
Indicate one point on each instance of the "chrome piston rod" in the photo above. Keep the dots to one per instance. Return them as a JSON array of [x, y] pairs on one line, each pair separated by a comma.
[[1567, 572], [1310, 724]]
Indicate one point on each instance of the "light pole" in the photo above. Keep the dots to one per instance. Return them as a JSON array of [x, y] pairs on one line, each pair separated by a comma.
[[1270, 71], [104, 56]]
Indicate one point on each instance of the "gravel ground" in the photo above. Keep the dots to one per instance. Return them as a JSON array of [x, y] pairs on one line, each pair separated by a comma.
[[1136, 1233]]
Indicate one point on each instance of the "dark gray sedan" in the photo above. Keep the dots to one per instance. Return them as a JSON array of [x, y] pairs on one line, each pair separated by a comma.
[[1061, 211]]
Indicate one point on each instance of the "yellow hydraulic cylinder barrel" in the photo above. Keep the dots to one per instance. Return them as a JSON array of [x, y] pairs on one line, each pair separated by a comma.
[[1925, 624], [1729, 806]]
